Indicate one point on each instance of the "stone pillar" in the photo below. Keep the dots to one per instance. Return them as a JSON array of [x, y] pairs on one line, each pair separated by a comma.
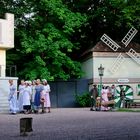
[[6, 40], [2, 63]]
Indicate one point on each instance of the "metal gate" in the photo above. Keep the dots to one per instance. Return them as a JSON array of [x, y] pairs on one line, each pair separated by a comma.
[[63, 92]]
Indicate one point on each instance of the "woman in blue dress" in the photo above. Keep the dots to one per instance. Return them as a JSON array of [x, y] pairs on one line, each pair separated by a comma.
[[38, 89], [12, 98]]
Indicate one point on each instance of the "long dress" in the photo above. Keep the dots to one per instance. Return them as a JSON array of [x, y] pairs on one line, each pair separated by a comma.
[[38, 90], [105, 99], [43, 98], [26, 98], [47, 90], [20, 97], [33, 93], [32, 96], [12, 98]]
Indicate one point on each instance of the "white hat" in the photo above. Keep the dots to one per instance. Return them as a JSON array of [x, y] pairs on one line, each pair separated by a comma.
[[26, 82], [44, 80], [29, 82]]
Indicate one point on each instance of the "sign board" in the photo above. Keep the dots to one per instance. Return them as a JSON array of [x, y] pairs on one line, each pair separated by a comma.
[[123, 80]]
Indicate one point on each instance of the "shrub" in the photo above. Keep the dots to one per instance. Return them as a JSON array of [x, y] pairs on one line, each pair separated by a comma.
[[83, 100]]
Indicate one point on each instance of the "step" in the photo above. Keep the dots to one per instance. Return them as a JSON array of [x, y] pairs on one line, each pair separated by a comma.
[[4, 102], [4, 111]]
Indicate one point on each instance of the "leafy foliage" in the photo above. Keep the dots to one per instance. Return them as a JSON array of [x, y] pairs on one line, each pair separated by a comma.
[[83, 100], [43, 39], [113, 17], [50, 35]]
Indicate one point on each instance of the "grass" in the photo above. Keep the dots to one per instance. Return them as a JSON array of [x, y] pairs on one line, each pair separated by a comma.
[[127, 110]]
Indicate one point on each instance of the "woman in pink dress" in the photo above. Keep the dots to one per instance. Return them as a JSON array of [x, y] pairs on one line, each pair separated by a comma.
[[104, 97], [43, 101], [46, 94]]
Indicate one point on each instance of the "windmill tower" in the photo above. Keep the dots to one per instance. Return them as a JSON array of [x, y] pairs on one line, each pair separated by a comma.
[[119, 62], [6, 42]]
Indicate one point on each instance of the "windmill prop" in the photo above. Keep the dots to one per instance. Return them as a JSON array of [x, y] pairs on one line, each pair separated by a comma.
[[114, 46]]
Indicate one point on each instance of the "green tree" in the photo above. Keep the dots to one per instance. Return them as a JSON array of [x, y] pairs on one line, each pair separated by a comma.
[[43, 39], [51, 34], [113, 17]]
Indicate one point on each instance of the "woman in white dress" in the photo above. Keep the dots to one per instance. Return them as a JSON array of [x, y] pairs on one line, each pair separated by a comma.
[[20, 95], [12, 98], [47, 96], [27, 98]]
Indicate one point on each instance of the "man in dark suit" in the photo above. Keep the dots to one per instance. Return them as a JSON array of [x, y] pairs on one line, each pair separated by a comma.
[[94, 95]]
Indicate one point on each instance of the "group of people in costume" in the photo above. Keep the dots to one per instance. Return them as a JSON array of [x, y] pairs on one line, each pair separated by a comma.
[[105, 101], [30, 97]]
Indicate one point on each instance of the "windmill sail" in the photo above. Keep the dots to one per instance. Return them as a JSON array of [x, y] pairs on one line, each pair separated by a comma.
[[117, 63], [129, 36], [134, 55], [109, 42]]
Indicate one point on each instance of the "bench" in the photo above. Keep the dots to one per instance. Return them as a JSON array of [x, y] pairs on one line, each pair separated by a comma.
[[135, 103]]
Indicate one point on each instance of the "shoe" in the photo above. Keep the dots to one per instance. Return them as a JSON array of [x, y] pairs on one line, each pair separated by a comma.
[[49, 111], [42, 112], [36, 112], [13, 113], [97, 109], [91, 109]]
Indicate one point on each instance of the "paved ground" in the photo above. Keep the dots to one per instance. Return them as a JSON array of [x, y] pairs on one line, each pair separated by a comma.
[[74, 124]]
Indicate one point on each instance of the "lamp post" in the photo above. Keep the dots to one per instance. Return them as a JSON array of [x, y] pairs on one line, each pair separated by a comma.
[[101, 73]]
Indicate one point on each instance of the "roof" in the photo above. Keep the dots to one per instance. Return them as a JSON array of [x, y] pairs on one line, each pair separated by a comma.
[[101, 47]]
